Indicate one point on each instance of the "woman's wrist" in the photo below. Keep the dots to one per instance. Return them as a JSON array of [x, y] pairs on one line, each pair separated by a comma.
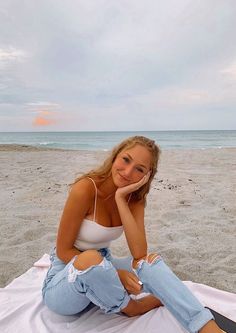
[[120, 199]]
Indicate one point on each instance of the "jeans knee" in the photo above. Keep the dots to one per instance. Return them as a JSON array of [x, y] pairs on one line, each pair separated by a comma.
[[87, 259]]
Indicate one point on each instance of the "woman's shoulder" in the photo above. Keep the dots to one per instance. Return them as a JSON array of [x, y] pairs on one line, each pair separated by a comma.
[[83, 186]]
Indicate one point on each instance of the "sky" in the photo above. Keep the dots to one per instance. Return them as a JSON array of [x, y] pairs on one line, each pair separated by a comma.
[[106, 65]]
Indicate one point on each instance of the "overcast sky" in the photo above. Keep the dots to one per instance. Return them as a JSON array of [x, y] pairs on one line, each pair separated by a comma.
[[117, 65]]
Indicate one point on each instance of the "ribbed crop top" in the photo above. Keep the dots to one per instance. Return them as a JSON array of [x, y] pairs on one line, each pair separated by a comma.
[[93, 235]]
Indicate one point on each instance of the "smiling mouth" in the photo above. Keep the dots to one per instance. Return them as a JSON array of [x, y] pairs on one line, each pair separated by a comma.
[[122, 177]]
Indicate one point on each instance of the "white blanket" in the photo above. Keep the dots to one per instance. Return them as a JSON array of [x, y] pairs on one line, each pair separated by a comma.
[[22, 310]]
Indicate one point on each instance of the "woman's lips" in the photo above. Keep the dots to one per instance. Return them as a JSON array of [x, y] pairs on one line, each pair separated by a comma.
[[123, 178]]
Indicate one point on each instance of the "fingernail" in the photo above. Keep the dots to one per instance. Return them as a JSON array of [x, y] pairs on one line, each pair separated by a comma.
[[140, 282]]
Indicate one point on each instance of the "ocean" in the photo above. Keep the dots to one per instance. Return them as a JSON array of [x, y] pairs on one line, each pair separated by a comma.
[[106, 140]]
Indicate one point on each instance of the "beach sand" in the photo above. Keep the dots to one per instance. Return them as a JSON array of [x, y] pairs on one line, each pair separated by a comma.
[[190, 215]]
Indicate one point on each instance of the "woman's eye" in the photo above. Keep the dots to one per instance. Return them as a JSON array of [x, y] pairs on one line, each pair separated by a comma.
[[140, 170], [126, 159]]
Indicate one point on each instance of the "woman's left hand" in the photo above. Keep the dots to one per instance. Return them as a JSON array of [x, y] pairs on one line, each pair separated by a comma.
[[124, 191], [130, 281]]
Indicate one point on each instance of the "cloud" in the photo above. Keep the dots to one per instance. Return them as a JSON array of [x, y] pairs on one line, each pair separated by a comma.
[[108, 61], [9, 57], [43, 104], [42, 107], [11, 54], [230, 71], [46, 113], [42, 122]]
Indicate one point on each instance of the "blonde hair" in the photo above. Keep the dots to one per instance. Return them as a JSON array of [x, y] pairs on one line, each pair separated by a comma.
[[104, 171]]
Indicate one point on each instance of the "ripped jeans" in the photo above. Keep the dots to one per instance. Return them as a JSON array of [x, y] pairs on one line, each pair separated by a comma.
[[68, 291]]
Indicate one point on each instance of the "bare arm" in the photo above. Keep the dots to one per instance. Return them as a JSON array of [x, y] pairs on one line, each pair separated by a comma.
[[76, 208], [132, 219]]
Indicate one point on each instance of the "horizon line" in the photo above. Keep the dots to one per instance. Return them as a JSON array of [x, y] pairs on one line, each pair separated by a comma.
[[120, 131]]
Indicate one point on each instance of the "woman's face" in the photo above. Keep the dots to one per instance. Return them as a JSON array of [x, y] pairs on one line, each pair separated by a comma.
[[131, 165]]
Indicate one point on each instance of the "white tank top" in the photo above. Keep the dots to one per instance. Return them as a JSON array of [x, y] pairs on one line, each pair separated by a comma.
[[93, 235]]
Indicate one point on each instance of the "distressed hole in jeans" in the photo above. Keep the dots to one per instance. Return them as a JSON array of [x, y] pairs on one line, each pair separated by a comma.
[[73, 272], [150, 259]]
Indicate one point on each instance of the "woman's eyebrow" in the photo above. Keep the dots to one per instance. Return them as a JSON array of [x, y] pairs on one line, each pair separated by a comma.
[[144, 166]]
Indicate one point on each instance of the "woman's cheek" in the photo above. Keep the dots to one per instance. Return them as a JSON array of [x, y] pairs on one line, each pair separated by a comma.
[[118, 165], [137, 177]]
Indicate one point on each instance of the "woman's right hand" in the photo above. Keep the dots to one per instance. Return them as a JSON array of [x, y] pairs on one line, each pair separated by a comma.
[[130, 281], [124, 191]]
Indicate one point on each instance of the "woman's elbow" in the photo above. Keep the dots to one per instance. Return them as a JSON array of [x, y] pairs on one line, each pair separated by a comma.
[[60, 254], [63, 253]]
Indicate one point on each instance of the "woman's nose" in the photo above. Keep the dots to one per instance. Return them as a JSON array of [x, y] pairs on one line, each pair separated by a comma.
[[128, 170]]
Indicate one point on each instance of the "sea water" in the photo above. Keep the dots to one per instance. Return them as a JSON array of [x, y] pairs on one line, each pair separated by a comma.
[[106, 140]]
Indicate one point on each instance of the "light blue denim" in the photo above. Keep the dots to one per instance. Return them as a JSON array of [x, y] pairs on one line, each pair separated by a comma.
[[68, 291]]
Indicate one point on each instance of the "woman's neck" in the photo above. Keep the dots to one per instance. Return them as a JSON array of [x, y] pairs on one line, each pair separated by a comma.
[[107, 188]]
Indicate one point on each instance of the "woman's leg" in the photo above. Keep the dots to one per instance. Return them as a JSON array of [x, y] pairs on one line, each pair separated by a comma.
[[89, 277], [56, 294], [159, 280]]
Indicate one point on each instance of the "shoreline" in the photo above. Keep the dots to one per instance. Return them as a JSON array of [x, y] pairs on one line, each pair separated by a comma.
[[25, 147], [190, 215]]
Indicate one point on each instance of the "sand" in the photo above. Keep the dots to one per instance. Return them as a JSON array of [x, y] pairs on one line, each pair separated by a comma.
[[190, 216]]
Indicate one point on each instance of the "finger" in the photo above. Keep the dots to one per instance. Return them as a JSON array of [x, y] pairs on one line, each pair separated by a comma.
[[135, 286], [134, 291], [147, 176], [133, 277], [142, 181], [134, 280]]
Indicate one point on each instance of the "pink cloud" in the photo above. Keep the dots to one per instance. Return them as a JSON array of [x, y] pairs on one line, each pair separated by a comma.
[[41, 121]]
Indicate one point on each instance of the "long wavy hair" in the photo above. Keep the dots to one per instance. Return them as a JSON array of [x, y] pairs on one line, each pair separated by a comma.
[[104, 171]]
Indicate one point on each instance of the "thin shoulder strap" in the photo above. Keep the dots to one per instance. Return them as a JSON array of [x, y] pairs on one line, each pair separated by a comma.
[[95, 200]]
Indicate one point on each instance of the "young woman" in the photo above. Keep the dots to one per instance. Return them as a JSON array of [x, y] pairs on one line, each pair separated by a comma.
[[103, 204]]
